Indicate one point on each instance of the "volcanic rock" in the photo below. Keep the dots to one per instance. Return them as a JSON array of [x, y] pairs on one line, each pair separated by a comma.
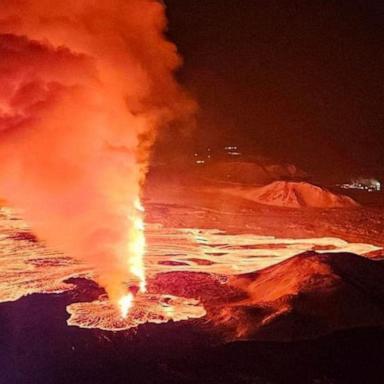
[[306, 296]]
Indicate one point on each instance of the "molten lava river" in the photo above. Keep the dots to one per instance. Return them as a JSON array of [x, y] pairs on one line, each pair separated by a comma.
[[27, 267]]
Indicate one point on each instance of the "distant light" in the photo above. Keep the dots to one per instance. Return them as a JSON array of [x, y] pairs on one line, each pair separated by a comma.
[[369, 185], [200, 161]]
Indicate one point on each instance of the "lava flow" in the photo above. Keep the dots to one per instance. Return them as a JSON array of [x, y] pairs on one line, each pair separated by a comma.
[[28, 267]]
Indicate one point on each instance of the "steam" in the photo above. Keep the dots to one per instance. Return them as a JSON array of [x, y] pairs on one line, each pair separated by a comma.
[[84, 87]]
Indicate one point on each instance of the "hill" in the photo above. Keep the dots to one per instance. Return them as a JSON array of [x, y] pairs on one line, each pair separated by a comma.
[[293, 195], [306, 296]]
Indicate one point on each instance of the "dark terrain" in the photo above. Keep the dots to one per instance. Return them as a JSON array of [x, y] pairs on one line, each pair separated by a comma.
[[39, 347]]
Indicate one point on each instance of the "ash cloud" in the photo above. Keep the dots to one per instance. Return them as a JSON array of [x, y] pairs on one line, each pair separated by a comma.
[[85, 86]]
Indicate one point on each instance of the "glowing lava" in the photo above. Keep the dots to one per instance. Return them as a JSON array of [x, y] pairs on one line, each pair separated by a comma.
[[125, 304], [28, 267], [136, 250], [150, 308], [137, 246]]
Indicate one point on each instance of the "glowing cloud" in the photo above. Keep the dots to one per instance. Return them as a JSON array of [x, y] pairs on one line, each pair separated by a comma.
[[84, 87]]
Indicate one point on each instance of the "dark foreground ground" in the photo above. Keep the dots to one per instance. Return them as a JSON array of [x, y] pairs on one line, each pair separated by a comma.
[[37, 346]]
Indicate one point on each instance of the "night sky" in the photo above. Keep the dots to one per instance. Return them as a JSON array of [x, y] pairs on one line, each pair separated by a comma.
[[298, 81]]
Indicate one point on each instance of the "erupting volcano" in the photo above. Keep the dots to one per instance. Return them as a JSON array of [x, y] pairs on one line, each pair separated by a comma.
[[190, 193], [84, 88]]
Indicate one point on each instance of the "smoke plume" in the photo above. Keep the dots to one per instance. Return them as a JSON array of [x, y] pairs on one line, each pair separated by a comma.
[[85, 85]]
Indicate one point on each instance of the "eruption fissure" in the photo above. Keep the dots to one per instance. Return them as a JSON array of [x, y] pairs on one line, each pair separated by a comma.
[[82, 83]]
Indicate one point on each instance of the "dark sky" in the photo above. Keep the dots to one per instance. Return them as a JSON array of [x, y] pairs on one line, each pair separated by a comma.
[[299, 81]]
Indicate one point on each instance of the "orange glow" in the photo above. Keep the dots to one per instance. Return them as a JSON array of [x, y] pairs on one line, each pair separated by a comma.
[[85, 89], [149, 308], [207, 251], [137, 246], [135, 256], [125, 304]]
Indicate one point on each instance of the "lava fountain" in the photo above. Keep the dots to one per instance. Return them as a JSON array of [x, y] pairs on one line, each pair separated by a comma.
[[125, 304], [85, 87], [136, 250], [137, 246]]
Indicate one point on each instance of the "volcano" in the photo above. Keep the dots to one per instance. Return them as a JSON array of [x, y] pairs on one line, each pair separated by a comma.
[[294, 195]]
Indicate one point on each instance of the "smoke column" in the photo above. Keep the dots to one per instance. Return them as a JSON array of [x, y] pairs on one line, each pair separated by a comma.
[[85, 85]]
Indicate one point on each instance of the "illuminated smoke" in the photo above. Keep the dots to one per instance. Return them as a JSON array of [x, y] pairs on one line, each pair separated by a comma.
[[84, 86]]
